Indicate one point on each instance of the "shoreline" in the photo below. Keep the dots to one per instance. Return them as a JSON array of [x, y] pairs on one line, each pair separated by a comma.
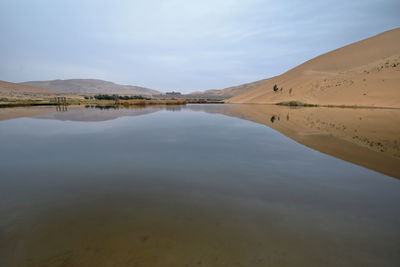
[[28, 103], [293, 104], [308, 105], [301, 104]]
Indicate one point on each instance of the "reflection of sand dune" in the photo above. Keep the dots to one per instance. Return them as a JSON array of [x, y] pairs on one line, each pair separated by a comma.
[[19, 112], [76, 113], [99, 113], [82, 113], [367, 137]]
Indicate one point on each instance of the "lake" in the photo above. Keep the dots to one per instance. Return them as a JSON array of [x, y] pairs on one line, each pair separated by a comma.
[[199, 185]]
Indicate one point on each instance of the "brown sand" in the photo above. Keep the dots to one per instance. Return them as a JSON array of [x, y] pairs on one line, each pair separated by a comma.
[[365, 73]]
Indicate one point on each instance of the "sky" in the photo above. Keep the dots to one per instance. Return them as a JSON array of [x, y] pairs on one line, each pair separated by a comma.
[[178, 45]]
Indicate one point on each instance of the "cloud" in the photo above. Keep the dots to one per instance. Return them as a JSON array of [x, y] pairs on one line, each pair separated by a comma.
[[184, 45]]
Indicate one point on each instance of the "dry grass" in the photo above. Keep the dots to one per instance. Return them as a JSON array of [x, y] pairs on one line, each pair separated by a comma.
[[50, 101]]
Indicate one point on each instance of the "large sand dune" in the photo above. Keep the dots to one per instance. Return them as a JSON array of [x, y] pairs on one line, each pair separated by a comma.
[[365, 73]]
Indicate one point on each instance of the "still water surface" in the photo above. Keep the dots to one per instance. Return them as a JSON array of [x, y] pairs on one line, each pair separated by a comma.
[[183, 187]]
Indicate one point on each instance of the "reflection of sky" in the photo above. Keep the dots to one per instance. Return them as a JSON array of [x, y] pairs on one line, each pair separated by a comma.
[[178, 44], [190, 140], [201, 152], [232, 180]]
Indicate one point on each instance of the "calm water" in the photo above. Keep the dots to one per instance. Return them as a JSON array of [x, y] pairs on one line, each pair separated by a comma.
[[183, 187]]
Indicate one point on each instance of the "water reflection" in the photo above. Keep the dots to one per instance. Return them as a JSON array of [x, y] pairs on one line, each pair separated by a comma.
[[150, 187], [61, 108], [372, 142], [367, 137]]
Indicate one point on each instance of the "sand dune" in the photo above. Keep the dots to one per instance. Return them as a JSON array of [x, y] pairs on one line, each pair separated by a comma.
[[365, 73], [227, 92]]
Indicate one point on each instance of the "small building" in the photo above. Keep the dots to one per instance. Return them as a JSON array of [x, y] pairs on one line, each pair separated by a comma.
[[173, 93]]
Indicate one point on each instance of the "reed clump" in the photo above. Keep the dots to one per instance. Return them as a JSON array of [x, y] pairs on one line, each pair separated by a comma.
[[296, 104]]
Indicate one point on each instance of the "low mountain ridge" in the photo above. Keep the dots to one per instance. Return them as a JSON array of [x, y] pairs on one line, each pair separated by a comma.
[[92, 86], [9, 88]]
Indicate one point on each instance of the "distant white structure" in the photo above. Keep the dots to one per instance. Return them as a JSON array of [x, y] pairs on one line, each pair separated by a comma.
[[173, 93]]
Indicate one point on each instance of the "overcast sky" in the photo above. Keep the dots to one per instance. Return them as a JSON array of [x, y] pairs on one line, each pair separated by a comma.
[[181, 45]]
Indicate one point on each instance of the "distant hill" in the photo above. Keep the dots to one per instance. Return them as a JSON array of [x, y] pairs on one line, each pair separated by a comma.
[[365, 73], [226, 92], [8, 88], [91, 86]]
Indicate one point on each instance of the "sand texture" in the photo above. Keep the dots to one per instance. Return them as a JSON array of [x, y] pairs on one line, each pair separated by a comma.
[[365, 73]]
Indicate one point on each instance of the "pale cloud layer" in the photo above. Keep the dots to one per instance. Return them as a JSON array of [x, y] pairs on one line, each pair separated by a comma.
[[178, 44]]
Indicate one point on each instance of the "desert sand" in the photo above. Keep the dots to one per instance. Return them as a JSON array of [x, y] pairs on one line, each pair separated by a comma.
[[365, 73]]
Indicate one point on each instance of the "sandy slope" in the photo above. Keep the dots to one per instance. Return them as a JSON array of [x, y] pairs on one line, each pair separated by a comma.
[[227, 92], [365, 73]]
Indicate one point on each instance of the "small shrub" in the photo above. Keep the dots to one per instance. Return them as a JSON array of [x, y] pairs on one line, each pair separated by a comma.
[[117, 97]]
